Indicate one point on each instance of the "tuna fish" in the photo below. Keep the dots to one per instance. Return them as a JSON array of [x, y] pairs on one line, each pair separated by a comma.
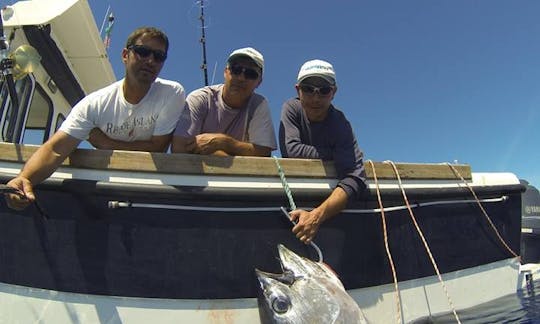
[[306, 292]]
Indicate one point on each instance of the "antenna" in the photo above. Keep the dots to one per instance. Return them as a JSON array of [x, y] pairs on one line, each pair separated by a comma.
[[214, 73], [104, 20], [203, 44]]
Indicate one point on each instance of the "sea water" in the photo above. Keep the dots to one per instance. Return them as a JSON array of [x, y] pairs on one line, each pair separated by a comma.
[[522, 307]]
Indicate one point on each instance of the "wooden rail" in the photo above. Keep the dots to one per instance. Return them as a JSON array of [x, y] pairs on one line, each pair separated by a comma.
[[240, 165]]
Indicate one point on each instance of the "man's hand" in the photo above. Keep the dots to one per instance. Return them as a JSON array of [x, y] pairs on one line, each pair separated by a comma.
[[24, 198], [307, 224], [208, 143], [217, 144]]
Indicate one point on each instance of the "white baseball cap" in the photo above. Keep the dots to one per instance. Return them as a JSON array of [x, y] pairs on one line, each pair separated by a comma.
[[250, 52], [318, 68]]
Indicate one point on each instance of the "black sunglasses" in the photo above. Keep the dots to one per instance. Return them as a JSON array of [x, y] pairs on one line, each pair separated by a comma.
[[249, 73], [145, 51], [309, 89]]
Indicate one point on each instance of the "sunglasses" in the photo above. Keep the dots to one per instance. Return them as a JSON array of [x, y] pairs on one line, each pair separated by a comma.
[[309, 89], [145, 51], [249, 73]]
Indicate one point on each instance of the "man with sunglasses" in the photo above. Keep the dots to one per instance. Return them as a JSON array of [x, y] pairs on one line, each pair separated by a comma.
[[311, 127], [228, 118], [137, 113]]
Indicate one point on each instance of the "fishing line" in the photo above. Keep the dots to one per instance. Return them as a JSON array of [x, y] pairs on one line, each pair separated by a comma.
[[289, 195]]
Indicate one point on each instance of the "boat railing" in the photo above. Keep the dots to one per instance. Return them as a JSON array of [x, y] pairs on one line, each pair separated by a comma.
[[216, 165]]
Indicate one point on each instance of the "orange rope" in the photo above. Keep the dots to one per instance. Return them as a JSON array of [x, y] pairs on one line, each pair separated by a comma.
[[385, 235], [424, 241], [483, 211]]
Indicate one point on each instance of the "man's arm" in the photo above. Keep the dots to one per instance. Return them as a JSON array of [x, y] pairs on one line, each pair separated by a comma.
[[155, 144], [349, 161], [209, 143], [308, 223], [290, 128], [180, 144], [39, 167]]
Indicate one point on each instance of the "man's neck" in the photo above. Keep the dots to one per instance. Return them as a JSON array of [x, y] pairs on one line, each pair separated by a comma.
[[134, 93], [316, 116], [235, 101]]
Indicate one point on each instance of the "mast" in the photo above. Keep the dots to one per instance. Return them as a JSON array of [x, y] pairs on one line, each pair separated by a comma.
[[203, 44]]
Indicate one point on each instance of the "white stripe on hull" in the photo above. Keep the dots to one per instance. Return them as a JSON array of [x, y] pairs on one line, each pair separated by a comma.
[[154, 178]]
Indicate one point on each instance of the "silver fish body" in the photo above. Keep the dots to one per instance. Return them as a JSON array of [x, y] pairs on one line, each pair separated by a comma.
[[306, 292]]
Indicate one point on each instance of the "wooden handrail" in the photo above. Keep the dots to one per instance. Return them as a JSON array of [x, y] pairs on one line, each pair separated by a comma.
[[215, 165]]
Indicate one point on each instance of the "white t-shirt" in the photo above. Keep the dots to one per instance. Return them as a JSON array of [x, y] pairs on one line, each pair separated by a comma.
[[156, 114]]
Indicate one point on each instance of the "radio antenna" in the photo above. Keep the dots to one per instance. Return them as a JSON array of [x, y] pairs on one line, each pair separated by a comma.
[[203, 43]]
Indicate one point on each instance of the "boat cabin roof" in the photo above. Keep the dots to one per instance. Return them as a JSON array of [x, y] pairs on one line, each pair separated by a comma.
[[75, 32]]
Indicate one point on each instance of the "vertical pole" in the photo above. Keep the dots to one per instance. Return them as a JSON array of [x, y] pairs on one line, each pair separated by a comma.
[[6, 66], [203, 43]]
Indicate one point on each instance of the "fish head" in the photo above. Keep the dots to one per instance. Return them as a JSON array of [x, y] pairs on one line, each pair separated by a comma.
[[300, 267], [306, 292], [275, 298]]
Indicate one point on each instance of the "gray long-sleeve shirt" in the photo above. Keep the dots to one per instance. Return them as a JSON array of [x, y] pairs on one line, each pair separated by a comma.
[[331, 139]]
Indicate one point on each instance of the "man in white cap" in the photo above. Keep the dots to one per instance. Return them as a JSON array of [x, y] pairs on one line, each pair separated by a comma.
[[311, 127], [229, 118]]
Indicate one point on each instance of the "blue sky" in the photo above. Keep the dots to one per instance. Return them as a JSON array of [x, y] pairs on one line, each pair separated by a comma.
[[419, 80]]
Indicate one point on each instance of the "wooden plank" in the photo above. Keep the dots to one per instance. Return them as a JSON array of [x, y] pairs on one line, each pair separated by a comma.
[[240, 165]]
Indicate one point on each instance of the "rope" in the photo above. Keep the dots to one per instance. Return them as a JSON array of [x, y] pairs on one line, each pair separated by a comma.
[[424, 204], [385, 234], [116, 204], [424, 241], [456, 172], [5, 189], [293, 205], [285, 185]]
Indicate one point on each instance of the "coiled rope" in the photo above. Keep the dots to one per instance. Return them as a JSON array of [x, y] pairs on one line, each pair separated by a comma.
[[385, 235], [413, 218]]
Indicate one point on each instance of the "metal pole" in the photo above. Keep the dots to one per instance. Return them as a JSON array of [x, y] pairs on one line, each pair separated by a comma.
[[7, 70], [203, 44]]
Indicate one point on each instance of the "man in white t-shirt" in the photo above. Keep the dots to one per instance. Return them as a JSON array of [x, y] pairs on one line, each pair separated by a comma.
[[138, 112], [229, 118]]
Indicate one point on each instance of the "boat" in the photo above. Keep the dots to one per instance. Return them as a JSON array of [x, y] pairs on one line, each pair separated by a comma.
[[530, 225], [530, 231], [138, 237]]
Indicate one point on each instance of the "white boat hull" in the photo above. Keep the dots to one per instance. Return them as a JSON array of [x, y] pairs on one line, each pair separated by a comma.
[[419, 298]]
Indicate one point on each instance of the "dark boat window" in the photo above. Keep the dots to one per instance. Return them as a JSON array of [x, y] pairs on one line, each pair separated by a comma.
[[38, 121], [59, 120], [24, 90]]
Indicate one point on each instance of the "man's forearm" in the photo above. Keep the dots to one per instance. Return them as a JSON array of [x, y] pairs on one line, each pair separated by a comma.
[[181, 144], [156, 144], [239, 148], [333, 205], [41, 165], [48, 157]]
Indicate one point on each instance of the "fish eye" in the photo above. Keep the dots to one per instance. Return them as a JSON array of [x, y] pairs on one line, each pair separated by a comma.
[[281, 304]]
